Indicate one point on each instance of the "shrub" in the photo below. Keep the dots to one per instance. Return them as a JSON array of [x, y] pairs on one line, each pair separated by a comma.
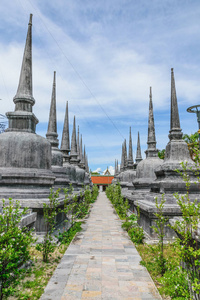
[[15, 242]]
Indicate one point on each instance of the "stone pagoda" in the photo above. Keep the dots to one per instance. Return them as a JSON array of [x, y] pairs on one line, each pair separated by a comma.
[[168, 180], [62, 179], [65, 148], [25, 157], [145, 174], [127, 176], [138, 153]]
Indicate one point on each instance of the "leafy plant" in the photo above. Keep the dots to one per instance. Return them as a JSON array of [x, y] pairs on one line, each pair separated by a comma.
[[160, 221], [192, 141], [186, 228], [174, 283], [67, 236], [15, 242], [136, 234], [50, 211], [161, 154]]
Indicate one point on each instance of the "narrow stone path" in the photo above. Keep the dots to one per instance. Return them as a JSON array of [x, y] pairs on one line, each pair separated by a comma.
[[101, 263]]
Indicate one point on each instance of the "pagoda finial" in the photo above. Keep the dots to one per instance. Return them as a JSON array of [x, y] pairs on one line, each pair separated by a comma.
[[138, 154], [130, 152], [65, 143], [73, 153], [125, 155], [24, 97], [151, 141], [81, 163], [52, 126], [175, 129], [84, 158], [78, 148], [122, 159]]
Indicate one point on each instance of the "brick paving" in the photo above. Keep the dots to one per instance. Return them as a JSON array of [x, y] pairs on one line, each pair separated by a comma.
[[101, 263]]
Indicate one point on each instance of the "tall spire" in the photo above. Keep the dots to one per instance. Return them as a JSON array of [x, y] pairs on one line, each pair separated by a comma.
[[81, 163], [65, 143], [138, 154], [77, 143], [52, 126], [23, 119], [84, 158], [151, 141], [130, 152], [175, 129], [122, 159], [125, 155], [117, 167], [73, 153], [24, 91]]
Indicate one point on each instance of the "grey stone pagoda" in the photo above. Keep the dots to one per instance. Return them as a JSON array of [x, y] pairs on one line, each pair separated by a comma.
[[25, 157], [138, 153], [128, 174], [62, 180], [65, 148], [145, 174], [130, 153], [80, 172], [167, 179]]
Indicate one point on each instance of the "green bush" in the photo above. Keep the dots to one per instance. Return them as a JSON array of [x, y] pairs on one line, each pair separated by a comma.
[[15, 242], [67, 236], [136, 234], [174, 283]]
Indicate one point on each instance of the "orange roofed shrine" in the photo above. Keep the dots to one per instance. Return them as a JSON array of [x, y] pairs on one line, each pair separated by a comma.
[[102, 181]]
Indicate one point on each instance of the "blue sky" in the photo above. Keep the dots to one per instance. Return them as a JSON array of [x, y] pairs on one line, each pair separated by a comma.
[[106, 54]]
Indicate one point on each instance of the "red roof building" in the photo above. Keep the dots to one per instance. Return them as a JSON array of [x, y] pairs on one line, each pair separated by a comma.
[[102, 180]]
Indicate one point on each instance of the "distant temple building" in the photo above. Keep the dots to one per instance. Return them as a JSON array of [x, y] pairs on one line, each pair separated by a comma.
[[102, 181]]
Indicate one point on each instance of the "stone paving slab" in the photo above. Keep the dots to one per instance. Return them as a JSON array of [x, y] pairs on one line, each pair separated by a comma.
[[101, 263]]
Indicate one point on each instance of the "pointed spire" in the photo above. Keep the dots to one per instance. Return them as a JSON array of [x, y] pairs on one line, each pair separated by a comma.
[[151, 141], [81, 163], [125, 155], [130, 152], [117, 167], [65, 143], [175, 129], [122, 159], [23, 119], [84, 158], [151, 128], [73, 153], [78, 148], [138, 154], [24, 91], [52, 126]]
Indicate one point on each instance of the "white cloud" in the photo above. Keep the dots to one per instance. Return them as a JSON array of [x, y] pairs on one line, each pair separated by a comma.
[[107, 53]]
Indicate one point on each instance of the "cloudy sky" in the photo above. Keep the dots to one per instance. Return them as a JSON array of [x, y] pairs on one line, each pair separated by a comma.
[[106, 54]]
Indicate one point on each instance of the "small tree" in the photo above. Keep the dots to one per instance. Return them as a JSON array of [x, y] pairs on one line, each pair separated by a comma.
[[50, 211], [186, 229], [14, 245], [161, 221]]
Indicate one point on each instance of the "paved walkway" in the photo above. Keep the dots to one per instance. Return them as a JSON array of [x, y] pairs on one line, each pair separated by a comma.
[[101, 263]]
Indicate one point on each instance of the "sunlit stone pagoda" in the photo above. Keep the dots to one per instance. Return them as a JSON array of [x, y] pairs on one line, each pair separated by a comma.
[[25, 157]]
